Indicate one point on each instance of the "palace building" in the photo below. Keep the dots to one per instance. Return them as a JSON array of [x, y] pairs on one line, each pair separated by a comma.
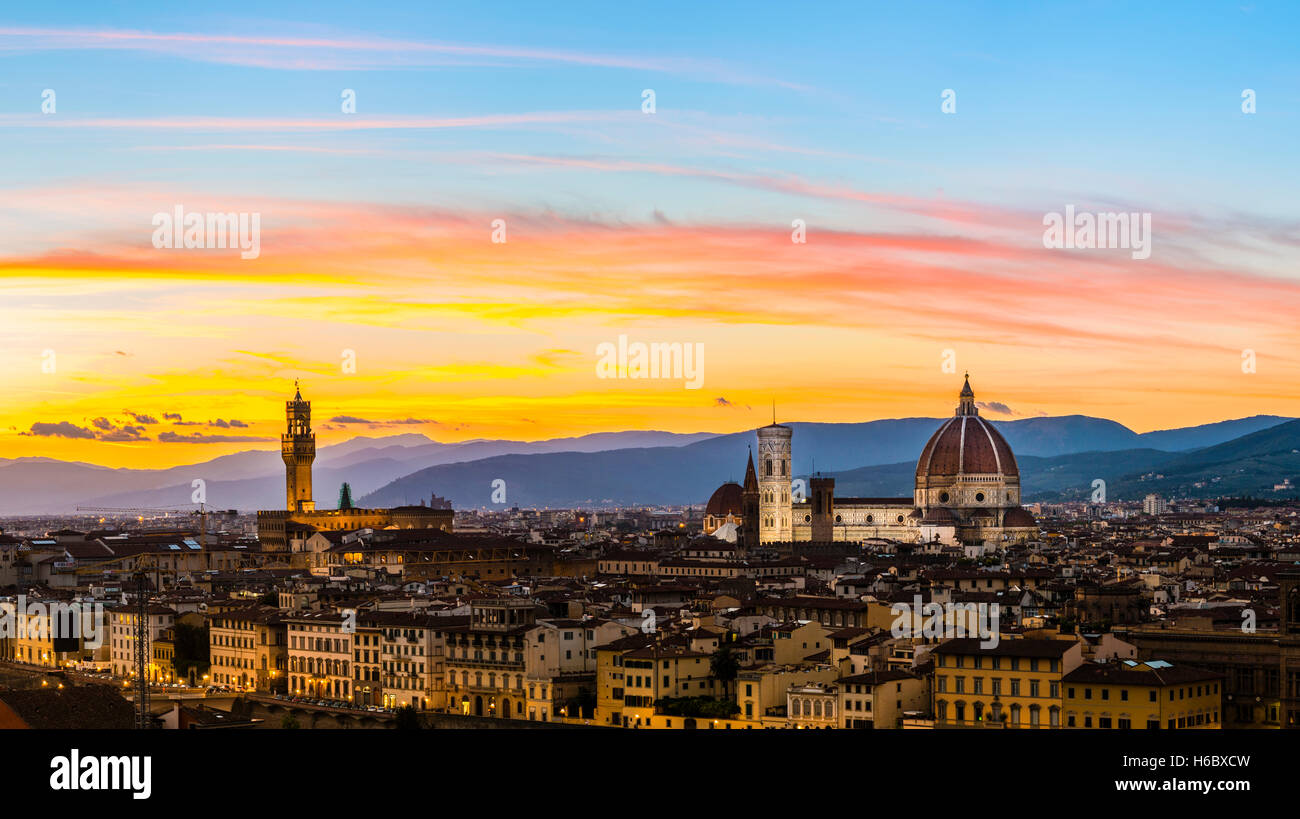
[[966, 492], [287, 531]]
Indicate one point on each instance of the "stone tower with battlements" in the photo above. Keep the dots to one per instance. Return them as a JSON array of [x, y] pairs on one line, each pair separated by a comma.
[[298, 449]]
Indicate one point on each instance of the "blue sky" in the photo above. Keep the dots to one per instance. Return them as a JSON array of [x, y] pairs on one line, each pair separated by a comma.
[[1107, 100], [925, 228]]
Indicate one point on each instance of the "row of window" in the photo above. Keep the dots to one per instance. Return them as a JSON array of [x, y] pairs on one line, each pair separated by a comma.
[[1182, 693], [977, 687], [1123, 722]]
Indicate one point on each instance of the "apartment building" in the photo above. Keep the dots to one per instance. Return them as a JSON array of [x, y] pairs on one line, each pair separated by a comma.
[[1152, 695], [248, 648], [879, 699], [320, 655], [121, 628], [1015, 684]]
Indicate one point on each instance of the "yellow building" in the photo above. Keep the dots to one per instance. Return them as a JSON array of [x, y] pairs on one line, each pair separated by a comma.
[[656, 672], [121, 631], [1150, 695], [762, 693], [247, 649], [411, 656], [1015, 684], [610, 679], [163, 668], [813, 705], [879, 699], [319, 656], [485, 662]]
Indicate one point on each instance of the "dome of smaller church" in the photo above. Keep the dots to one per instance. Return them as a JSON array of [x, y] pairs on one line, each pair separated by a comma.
[[726, 500]]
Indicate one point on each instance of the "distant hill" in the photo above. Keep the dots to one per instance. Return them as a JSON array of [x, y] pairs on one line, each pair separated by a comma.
[[254, 479], [1252, 463], [1175, 440], [1249, 465], [638, 466]]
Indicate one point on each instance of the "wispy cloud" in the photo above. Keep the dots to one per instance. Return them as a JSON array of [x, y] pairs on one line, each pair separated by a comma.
[[358, 53]]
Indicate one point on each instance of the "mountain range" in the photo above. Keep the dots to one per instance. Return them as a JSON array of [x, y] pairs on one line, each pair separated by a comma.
[[1059, 457]]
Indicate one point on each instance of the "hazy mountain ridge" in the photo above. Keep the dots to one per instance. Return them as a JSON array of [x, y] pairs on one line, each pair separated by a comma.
[[254, 479], [690, 474], [409, 467]]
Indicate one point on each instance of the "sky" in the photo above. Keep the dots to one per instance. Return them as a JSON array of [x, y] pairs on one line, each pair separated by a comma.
[[843, 209]]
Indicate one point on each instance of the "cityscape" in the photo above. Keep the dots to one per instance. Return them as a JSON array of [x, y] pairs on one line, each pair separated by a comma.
[[775, 602], [609, 377]]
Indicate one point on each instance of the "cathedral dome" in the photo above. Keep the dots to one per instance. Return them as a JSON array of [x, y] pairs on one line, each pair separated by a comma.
[[1019, 518], [726, 500], [966, 444]]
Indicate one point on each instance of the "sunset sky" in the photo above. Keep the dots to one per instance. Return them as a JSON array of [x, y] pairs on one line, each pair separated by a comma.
[[924, 229]]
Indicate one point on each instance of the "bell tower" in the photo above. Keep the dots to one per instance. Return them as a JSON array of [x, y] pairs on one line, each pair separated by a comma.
[[774, 503], [298, 449]]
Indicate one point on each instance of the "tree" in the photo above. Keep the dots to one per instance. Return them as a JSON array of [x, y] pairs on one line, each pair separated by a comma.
[[345, 496], [723, 667], [191, 643]]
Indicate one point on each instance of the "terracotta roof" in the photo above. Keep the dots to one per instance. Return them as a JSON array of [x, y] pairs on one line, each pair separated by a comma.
[[726, 500], [83, 706], [1043, 649], [1138, 674], [1019, 516], [966, 444]]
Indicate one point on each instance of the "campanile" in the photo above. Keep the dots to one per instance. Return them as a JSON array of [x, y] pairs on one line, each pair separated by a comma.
[[298, 449]]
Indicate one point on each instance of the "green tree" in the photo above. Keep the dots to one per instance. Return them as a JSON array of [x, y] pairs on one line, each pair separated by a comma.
[[191, 649], [345, 496], [724, 668]]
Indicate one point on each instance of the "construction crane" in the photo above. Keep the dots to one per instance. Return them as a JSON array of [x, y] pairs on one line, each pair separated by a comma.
[[142, 562], [143, 716], [202, 512]]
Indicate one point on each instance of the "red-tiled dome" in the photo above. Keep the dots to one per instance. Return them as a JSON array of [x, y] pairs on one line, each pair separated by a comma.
[[1018, 518], [727, 500], [966, 444]]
